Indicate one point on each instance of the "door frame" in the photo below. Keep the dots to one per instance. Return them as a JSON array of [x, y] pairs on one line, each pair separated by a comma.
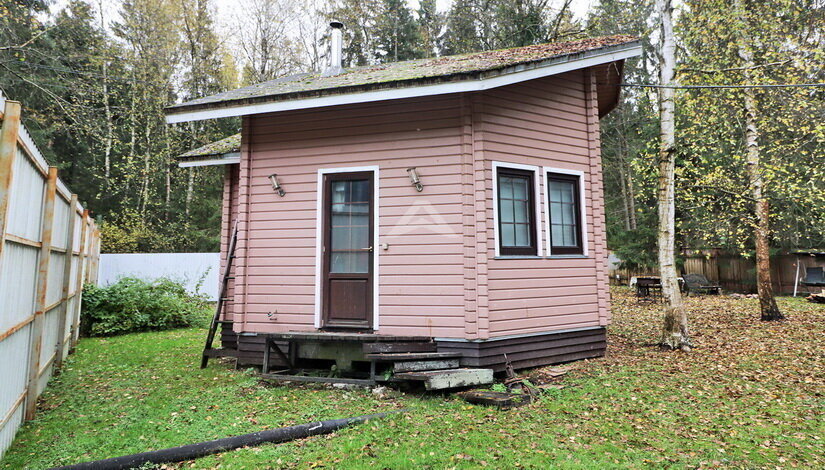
[[319, 239]]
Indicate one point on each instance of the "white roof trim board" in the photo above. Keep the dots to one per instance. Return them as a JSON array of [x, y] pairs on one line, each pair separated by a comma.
[[225, 159], [554, 68]]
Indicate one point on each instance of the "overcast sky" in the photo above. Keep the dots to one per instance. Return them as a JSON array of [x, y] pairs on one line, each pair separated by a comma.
[[227, 9]]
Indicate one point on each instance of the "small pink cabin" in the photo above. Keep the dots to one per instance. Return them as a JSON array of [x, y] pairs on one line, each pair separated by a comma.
[[456, 199]]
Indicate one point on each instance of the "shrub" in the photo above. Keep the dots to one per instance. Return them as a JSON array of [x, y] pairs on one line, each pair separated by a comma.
[[133, 304]]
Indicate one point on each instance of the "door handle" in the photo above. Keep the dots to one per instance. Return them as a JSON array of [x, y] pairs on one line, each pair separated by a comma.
[[368, 249]]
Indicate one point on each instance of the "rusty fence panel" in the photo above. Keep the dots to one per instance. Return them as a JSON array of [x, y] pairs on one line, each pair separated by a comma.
[[48, 250]]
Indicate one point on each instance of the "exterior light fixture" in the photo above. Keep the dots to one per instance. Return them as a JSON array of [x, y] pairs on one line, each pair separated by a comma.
[[273, 178], [416, 181]]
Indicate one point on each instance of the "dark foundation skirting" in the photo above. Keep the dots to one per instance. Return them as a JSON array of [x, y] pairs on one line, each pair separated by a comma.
[[530, 351], [523, 352]]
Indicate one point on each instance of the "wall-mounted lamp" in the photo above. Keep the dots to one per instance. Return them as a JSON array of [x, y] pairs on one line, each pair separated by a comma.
[[273, 178], [416, 181]]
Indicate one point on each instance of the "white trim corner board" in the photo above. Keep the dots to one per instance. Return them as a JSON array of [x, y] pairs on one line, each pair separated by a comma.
[[319, 237]]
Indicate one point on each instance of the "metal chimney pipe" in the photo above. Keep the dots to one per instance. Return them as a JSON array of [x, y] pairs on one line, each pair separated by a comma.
[[336, 46]]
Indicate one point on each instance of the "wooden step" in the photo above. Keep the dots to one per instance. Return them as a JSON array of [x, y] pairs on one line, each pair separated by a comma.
[[408, 347], [451, 378], [412, 356], [414, 366]]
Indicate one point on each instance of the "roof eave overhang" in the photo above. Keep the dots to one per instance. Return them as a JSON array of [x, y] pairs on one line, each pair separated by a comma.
[[210, 160], [480, 82]]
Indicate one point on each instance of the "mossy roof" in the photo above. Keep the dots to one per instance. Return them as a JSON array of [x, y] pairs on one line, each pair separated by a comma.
[[400, 74], [231, 144]]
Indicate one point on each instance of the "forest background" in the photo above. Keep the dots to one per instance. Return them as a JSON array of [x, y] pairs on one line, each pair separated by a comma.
[[94, 78]]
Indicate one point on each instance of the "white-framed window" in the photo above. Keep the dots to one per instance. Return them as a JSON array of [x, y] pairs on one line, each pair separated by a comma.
[[517, 209], [564, 212]]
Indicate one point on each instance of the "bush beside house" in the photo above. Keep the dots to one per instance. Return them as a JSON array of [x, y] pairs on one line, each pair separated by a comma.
[[133, 304]]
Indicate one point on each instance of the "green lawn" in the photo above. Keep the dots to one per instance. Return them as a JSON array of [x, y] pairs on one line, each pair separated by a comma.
[[750, 395]]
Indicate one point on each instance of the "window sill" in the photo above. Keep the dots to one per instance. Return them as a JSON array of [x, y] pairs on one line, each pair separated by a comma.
[[545, 257]]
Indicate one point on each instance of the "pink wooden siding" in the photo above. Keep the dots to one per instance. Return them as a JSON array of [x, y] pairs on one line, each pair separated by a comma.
[[549, 122], [439, 276], [421, 277]]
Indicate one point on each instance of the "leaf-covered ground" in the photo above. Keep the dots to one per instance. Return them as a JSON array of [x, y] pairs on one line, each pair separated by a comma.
[[750, 395]]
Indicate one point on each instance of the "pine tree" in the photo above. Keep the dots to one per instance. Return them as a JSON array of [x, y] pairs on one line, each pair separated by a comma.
[[462, 33], [430, 24], [397, 36]]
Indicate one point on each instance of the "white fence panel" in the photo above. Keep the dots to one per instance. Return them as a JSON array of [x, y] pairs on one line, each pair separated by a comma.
[[60, 230], [18, 273], [26, 199], [198, 271], [50, 335], [14, 372], [54, 287], [78, 230]]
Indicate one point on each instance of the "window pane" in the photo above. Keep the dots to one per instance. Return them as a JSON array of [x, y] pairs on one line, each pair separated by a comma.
[[506, 215], [569, 235], [569, 216], [555, 191], [522, 235], [350, 209], [339, 191], [567, 192], [505, 187], [555, 213], [564, 205], [516, 224], [340, 238], [520, 188], [508, 235], [360, 190], [556, 235], [522, 212], [350, 262]]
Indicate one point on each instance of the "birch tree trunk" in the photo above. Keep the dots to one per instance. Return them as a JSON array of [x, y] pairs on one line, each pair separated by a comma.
[[675, 328], [107, 152], [190, 189], [767, 303]]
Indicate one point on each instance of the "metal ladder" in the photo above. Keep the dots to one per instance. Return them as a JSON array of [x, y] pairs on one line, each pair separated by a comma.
[[208, 351]]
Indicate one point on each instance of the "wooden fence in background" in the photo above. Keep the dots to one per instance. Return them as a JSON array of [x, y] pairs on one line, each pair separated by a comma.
[[733, 272], [49, 247]]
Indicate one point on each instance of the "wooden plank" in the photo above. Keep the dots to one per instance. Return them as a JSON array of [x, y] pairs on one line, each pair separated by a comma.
[[418, 346], [356, 337], [40, 296], [81, 264], [14, 329], [8, 151], [453, 378], [414, 366], [393, 357], [67, 282]]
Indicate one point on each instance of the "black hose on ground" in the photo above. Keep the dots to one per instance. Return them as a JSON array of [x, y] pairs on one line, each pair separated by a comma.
[[193, 451]]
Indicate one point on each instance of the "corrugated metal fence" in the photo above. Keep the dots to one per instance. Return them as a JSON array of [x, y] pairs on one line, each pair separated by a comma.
[[48, 248]]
